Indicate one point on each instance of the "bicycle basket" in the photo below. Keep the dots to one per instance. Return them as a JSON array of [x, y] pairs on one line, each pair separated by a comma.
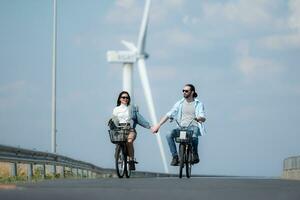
[[184, 136], [117, 136]]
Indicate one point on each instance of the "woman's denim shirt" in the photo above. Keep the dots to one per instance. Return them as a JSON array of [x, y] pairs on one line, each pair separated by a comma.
[[137, 118]]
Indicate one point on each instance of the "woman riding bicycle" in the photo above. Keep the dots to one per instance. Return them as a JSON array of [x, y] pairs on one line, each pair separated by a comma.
[[125, 114]]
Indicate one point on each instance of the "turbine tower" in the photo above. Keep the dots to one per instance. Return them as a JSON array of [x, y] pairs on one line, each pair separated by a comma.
[[138, 55]]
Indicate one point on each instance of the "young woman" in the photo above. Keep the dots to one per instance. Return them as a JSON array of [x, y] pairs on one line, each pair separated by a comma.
[[126, 114]]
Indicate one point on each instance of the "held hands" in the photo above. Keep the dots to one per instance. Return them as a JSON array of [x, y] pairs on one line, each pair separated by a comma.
[[154, 129]]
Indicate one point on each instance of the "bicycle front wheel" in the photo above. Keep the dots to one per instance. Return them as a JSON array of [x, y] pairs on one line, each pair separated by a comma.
[[120, 161], [127, 170], [188, 162], [181, 158]]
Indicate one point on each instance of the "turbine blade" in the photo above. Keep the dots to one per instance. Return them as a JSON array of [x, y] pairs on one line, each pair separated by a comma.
[[150, 104], [143, 30], [129, 45]]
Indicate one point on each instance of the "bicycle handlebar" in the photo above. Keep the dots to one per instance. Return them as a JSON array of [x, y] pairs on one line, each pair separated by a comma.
[[171, 120]]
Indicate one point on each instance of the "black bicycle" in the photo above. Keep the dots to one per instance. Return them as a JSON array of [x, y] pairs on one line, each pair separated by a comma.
[[184, 138], [119, 137]]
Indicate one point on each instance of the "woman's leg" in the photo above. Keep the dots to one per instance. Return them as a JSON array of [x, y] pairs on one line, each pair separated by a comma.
[[130, 140]]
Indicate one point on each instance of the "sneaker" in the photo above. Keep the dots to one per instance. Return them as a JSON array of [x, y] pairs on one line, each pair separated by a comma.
[[196, 158], [132, 165], [175, 161]]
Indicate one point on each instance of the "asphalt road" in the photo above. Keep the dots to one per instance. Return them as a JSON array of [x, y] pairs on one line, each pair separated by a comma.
[[157, 188]]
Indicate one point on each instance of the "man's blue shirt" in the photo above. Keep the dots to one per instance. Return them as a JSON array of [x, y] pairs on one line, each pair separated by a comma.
[[176, 112]]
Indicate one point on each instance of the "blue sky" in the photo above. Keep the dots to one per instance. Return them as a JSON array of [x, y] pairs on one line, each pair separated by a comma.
[[241, 55]]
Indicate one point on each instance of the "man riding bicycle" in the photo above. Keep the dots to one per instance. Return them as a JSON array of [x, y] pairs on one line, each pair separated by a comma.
[[184, 111]]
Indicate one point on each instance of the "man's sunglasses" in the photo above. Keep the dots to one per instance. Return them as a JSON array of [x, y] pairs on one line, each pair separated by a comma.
[[185, 91], [124, 97]]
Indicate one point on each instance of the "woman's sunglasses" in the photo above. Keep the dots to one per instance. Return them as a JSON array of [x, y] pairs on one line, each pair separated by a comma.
[[124, 97]]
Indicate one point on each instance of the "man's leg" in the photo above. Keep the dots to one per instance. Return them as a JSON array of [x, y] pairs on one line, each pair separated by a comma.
[[195, 142], [172, 146]]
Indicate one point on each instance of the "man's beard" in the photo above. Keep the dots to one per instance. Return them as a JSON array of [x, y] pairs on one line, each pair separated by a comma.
[[187, 96]]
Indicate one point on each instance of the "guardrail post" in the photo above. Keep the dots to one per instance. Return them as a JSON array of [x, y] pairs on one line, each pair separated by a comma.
[[63, 171], [44, 171], [60, 171], [14, 169], [29, 171], [54, 171]]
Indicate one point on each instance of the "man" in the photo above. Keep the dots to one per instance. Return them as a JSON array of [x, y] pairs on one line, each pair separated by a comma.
[[185, 111]]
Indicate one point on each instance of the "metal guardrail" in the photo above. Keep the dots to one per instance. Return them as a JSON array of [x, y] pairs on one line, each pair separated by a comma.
[[291, 168], [291, 163], [17, 156]]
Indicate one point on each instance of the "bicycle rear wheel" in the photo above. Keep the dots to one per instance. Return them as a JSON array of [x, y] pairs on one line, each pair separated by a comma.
[[188, 162], [120, 160], [181, 158]]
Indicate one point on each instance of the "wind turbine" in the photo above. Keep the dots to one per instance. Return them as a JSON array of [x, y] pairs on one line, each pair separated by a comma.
[[138, 55]]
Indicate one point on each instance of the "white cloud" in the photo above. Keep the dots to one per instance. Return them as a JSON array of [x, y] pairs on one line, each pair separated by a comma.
[[180, 38], [291, 37], [294, 19], [246, 12], [130, 11], [190, 20], [254, 67], [251, 66], [124, 11], [173, 3], [281, 41], [125, 3]]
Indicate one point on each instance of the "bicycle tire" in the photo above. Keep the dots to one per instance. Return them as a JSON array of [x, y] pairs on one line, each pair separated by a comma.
[[127, 169], [181, 158], [188, 162], [120, 161]]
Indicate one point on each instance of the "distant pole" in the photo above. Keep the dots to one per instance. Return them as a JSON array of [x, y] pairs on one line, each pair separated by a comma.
[[53, 125]]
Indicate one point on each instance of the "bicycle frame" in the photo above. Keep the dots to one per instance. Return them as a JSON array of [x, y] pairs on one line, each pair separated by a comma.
[[121, 156], [185, 148]]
